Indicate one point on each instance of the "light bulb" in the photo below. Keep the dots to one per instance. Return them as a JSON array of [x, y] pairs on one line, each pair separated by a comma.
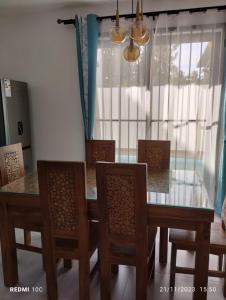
[[131, 53], [144, 40], [138, 30], [118, 34]]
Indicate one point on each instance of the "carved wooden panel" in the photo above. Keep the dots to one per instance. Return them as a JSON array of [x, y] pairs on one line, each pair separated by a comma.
[[62, 195], [11, 163], [120, 197], [155, 153], [99, 150], [62, 200]]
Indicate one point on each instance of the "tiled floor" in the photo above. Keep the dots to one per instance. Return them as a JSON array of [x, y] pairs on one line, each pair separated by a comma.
[[123, 285]]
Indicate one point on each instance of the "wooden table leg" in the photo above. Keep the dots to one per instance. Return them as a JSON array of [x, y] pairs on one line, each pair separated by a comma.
[[8, 247], [163, 245], [202, 261]]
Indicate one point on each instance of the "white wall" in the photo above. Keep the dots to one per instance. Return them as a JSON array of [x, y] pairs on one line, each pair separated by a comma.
[[35, 49]]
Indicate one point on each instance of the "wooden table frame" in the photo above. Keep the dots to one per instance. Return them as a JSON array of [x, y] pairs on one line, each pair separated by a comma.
[[23, 211]]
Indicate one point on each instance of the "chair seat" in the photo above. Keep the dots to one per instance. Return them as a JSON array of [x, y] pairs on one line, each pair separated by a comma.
[[130, 250], [217, 237]]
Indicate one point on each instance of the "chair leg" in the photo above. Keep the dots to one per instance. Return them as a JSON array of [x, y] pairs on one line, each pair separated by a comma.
[[105, 278], [150, 266], [49, 263], [153, 264], [141, 279], [173, 265], [224, 289], [51, 278], [163, 246], [220, 262], [84, 278], [43, 257], [27, 237]]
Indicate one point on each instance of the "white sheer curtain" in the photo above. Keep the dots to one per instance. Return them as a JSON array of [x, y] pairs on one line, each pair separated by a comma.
[[122, 93], [172, 92]]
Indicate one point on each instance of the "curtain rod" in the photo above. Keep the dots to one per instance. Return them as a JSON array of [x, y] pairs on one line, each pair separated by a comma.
[[151, 14]]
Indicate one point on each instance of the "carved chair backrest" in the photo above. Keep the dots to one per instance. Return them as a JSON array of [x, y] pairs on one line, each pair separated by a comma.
[[155, 153], [122, 196], [63, 198], [11, 163], [99, 150]]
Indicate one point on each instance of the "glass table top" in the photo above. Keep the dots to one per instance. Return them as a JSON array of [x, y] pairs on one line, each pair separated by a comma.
[[178, 188]]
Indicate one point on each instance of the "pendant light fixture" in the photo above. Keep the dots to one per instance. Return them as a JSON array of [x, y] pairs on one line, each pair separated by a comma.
[[131, 53], [118, 34], [147, 36], [138, 29], [138, 33]]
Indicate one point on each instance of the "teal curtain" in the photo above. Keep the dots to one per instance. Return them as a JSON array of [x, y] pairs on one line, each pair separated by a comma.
[[221, 193], [87, 32]]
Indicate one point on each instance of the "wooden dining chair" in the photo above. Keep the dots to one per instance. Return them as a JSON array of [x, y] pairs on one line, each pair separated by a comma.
[[185, 240], [67, 233], [155, 153], [125, 237], [99, 150], [12, 168], [157, 156]]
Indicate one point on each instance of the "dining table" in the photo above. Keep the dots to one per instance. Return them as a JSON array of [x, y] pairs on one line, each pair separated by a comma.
[[175, 199]]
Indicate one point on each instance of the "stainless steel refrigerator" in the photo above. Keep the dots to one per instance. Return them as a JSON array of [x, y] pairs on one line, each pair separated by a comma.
[[15, 117]]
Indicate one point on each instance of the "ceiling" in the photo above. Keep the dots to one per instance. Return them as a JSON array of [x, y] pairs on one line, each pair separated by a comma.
[[31, 5], [14, 6], [17, 3], [37, 3]]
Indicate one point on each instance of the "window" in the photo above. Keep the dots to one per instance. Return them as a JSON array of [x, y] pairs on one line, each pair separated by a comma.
[[172, 92]]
